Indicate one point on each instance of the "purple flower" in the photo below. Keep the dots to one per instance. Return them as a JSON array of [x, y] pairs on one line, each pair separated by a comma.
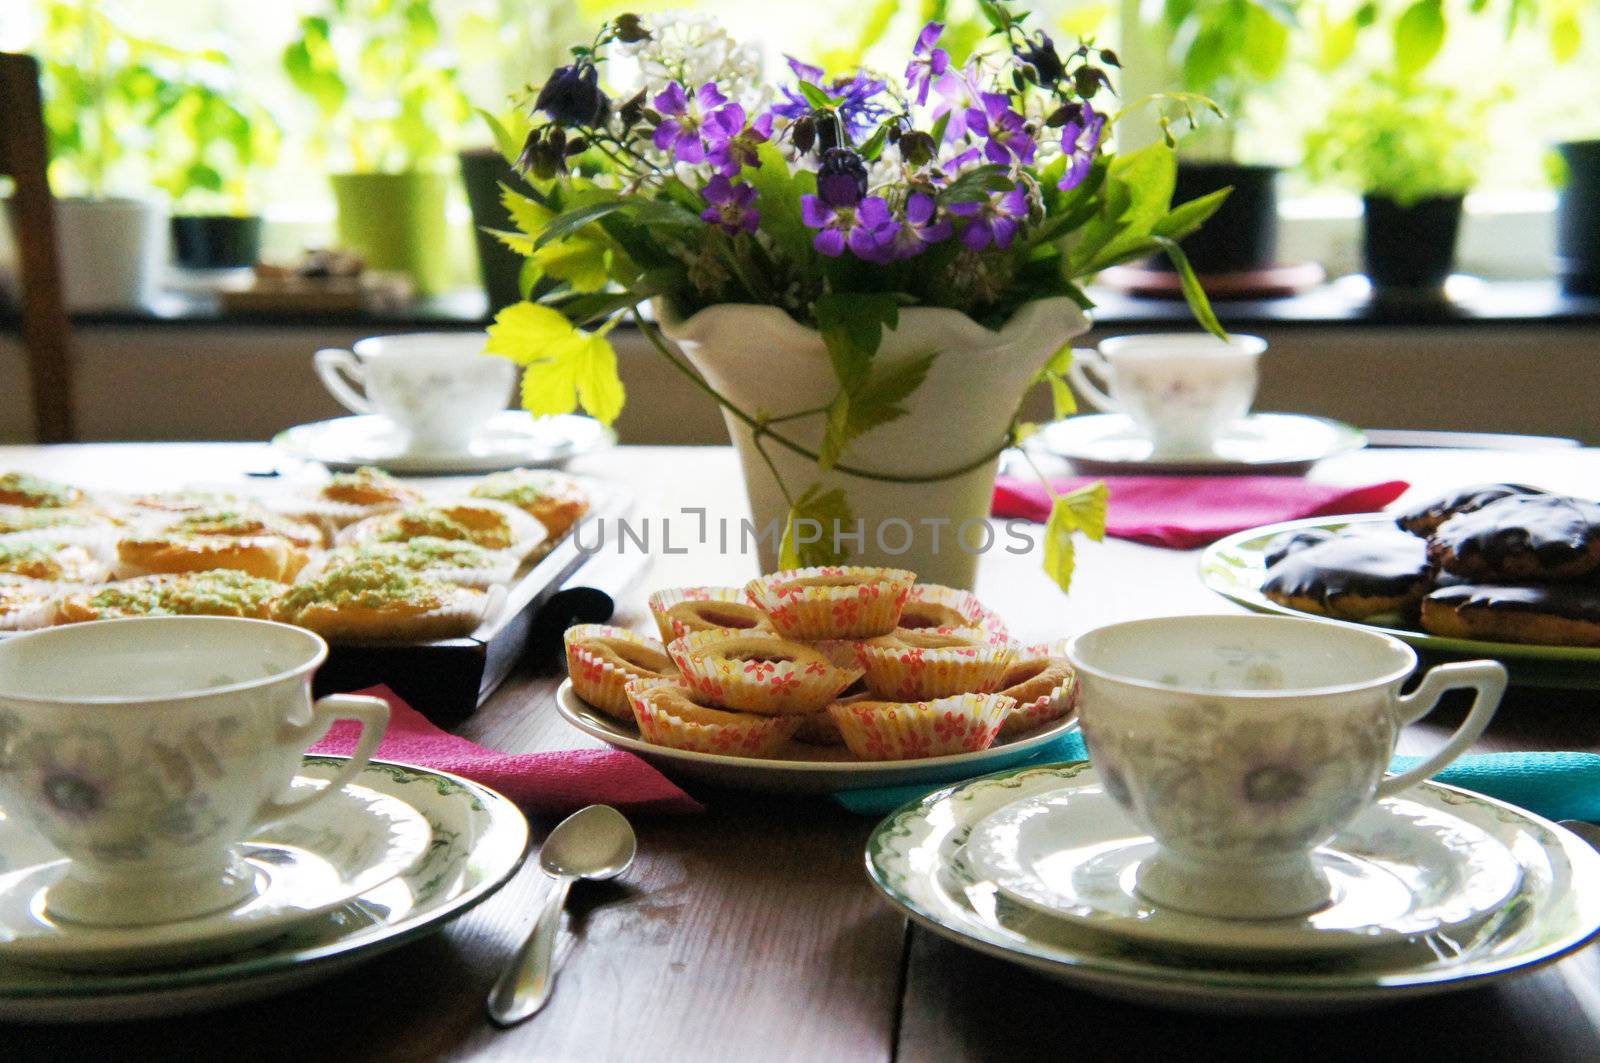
[[920, 228], [842, 178], [1080, 138], [958, 92], [732, 144], [572, 96], [868, 229], [1005, 131], [992, 221], [857, 107], [927, 62], [730, 205], [682, 119]]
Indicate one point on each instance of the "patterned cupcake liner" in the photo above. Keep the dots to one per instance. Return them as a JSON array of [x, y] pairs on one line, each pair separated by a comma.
[[885, 730], [930, 605], [599, 671], [848, 602], [820, 729], [759, 672], [1044, 696], [715, 603], [666, 716], [912, 666]]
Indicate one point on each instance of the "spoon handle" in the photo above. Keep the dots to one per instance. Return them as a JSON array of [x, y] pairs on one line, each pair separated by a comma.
[[525, 986]]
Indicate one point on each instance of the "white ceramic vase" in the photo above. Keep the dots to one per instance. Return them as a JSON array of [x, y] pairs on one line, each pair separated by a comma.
[[112, 251], [760, 358]]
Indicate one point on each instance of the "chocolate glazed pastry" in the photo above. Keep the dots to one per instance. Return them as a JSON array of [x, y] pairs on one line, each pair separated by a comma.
[[1283, 544], [1552, 614], [1353, 577], [1425, 518], [1526, 538]]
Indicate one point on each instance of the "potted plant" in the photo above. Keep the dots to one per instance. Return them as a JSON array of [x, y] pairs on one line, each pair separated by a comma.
[[103, 89], [385, 88], [1577, 171], [212, 140], [1224, 50], [1412, 149], [866, 273], [488, 174]]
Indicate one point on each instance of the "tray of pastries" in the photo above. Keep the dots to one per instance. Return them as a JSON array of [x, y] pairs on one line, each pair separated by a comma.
[[429, 589], [1489, 570]]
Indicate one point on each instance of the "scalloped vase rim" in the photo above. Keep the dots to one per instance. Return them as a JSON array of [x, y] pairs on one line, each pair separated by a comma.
[[971, 330]]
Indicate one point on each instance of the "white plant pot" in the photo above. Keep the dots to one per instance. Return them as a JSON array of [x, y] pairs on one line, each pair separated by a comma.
[[760, 358], [112, 251]]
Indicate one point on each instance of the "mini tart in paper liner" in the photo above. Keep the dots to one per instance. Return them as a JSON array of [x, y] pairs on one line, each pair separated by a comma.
[[349, 497], [601, 659], [219, 592], [848, 602], [35, 492], [819, 728], [243, 521], [889, 730], [918, 665], [265, 556], [667, 716], [556, 501], [681, 610], [930, 605], [1044, 686], [91, 528], [481, 521], [758, 671], [49, 557], [452, 560], [375, 601], [26, 604]]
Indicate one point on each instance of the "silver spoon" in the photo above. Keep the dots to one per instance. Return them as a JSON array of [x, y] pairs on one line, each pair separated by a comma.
[[593, 843]]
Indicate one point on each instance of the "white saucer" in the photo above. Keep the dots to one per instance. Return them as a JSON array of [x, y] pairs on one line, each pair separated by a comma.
[[352, 842], [1399, 871], [1106, 444], [511, 439]]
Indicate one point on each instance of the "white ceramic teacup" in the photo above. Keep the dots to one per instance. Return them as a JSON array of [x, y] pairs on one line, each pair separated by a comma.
[[1180, 389], [439, 388], [146, 749], [1241, 743]]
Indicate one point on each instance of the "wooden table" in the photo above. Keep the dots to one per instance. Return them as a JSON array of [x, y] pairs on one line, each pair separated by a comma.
[[751, 933]]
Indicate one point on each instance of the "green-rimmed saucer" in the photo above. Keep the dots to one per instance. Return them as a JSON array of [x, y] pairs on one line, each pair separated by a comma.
[[479, 838], [912, 858], [1234, 567]]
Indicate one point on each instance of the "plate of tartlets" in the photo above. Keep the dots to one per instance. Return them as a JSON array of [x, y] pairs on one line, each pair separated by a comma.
[[1493, 570], [819, 680]]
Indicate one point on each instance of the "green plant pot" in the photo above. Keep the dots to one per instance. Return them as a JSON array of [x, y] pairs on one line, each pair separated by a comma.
[[482, 173], [397, 222]]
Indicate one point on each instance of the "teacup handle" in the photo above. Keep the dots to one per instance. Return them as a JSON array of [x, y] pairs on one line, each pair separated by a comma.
[[333, 365], [1083, 360], [371, 713], [1487, 678]]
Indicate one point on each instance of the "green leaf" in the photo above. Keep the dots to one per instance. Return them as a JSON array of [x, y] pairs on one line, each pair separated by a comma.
[[1184, 219], [1418, 36], [1136, 197], [563, 366], [852, 324], [778, 195], [527, 214], [1266, 43], [1566, 36], [1055, 373], [573, 220], [507, 143], [1083, 510], [1193, 293], [825, 512], [815, 96]]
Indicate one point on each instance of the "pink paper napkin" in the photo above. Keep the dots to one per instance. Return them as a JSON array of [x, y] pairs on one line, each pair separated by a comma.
[[1183, 512], [552, 783]]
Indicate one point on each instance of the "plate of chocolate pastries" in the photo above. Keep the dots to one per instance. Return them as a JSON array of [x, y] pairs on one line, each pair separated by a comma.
[[1491, 570]]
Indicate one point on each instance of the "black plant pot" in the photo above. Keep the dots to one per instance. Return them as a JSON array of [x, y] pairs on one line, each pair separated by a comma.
[[1578, 219], [1409, 247], [483, 172], [216, 241], [1242, 235]]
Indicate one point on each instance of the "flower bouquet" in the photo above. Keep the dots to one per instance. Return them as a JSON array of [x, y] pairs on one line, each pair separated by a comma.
[[865, 272]]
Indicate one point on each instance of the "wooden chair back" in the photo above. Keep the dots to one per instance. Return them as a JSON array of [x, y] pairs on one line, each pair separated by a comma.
[[46, 329]]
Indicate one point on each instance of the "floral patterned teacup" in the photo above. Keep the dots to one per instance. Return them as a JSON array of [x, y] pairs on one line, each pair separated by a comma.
[[1180, 389], [439, 388], [146, 749], [1241, 743]]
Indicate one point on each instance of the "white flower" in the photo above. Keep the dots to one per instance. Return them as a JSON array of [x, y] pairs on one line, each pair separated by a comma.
[[694, 49]]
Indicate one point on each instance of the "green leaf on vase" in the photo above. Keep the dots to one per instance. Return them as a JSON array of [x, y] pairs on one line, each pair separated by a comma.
[[1082, 510], [809, 535], [563, 366]]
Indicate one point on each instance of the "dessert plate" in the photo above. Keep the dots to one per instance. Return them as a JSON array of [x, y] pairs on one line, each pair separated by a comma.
[[912, 859], [802, 768], [1285, 444], [1400, 870], [479, 839], [1234, 567], [352, 842], [511, 439]]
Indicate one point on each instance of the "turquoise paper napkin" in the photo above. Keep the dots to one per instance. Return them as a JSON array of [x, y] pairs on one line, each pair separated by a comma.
[[1553, 785]]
